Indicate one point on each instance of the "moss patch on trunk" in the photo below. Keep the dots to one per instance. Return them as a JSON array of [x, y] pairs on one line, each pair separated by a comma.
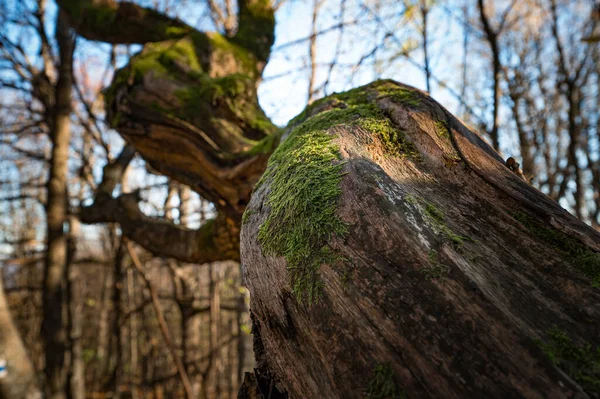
[[582, 258], [580, 362], [305, 173]]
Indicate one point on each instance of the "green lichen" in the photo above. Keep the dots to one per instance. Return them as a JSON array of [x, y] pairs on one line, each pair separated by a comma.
[[435, 270], [581, 257], [580, 362], [382, 384]]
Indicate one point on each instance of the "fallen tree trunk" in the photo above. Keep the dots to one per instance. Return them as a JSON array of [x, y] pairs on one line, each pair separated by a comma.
[[390, 252]]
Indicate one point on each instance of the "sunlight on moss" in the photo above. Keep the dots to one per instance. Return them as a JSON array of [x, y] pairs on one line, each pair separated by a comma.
[[305, 173]]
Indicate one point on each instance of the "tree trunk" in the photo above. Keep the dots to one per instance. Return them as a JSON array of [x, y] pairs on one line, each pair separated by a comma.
[[389, 252], [54, 325], [17, 379]]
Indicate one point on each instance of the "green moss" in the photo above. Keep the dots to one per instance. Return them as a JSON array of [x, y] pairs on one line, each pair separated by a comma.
[[580, 362], [160, 58], [94, 13], [233, 91], [357, 107], [373, 118], [305, 174], [220, 44], [434, 213], [442, 129], [435, 270], [393, 140], [390, 89], [581, 257], [205, 90], [451, 160], [256, 27], [332, 102], [172, 58], [246, 216], [382, 384], [267, 145], [346, 276], [116, 119], [104, 15], [176, 31], [182, 51], [436, 217]]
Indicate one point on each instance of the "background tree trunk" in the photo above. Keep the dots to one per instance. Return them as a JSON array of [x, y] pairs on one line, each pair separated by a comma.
[[55, 322], [18, 380], [389, 252]]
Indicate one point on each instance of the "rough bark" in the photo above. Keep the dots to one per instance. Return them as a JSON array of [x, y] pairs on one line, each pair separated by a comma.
[[19, 381], [452, 277]]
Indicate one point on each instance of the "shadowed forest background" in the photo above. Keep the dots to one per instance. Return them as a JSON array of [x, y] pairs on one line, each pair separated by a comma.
[[524, 73]]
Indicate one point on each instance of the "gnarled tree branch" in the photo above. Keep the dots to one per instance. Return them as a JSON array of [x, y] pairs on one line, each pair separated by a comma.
[[216, 240], [189, 106], [121, 22]]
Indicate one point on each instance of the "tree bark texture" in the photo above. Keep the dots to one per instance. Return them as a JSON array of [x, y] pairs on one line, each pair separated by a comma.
[[445, 274]]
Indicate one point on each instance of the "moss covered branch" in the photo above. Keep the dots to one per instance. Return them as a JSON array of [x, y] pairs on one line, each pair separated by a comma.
[[121, 22]]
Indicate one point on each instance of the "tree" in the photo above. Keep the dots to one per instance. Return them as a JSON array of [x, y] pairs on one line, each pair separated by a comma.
[[55, 324], [407, 248], [19, 380], [384, 235]]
